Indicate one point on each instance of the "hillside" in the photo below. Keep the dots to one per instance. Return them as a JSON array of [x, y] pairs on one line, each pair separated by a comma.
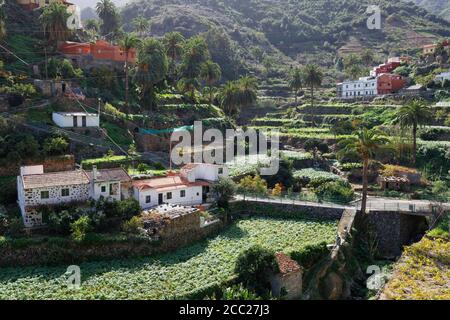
[[263, 32], [441, 8]]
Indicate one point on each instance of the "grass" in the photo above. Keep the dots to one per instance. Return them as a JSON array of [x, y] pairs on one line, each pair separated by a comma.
[[169, 275], [120, 135]]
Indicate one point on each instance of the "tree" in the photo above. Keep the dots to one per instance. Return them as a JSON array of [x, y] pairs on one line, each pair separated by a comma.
[[313, 77], [195, 54], [107, 11], [224, 190], [210, 73], [141, 25], [152, 68], [174, 42], [367, 57], [130, 41], [254, 267], [412, 115], [56, 145], [366, 144], [54, 19], [352, 66], [296, 82], [237, 94]]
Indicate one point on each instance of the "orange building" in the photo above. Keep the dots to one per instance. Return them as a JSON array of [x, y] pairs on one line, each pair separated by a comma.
[[100, 50], [390, 83]]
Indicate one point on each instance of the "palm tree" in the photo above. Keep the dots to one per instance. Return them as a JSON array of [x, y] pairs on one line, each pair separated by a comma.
[[366, 144], [107, 11], [152, 68], [210, 73], [313, 77], [54, 19], [238, 94], [248, 90], [130, 41], [173, 42], [296, 82], [413, 115], [141, 25], [210, 92], [229, 99]]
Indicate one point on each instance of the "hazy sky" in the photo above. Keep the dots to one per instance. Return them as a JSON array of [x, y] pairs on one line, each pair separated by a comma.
[[91, 3]]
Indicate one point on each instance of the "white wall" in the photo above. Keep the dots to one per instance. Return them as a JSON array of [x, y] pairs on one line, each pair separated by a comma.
[[193, 197], [205, 172], [359, 88], [64, 121], [97, 192]]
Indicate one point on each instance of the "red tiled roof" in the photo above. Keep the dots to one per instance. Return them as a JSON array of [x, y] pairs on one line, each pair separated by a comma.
[[168, 183], [286, 264]]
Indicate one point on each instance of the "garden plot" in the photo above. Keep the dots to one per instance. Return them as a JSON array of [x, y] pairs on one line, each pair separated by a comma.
[[170, 275]]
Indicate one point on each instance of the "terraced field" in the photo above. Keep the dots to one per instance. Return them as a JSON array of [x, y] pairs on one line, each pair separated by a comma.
[[176, 274]]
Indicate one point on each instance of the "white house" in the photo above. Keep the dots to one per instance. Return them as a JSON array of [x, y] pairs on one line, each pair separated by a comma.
[[363, 87], [36, 188], [76, 119], [442, 77], [190, 187]]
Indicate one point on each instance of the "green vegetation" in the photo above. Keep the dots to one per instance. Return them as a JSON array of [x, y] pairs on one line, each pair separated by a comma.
[[182, 273]]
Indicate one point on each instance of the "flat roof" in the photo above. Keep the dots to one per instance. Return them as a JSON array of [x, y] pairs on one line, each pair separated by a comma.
[[54, 179], [116, 174], [77, 114]]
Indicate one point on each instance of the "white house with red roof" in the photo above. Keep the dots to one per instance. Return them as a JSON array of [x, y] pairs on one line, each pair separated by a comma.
[[189, 187]]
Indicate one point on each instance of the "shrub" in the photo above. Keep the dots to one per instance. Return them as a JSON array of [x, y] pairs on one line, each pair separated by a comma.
[[310, 254], [339, 191], [254, 266], [80, 228], [253, 185], [60, 220], [316, 144], [133, 225], [224, 190], [238, 292]]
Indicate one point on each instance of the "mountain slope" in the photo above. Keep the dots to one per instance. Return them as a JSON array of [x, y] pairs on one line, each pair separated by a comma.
[[287, 31], [441, 8]]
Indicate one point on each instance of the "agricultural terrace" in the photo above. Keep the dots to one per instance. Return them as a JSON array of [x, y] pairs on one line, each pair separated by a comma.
[[182, 273]]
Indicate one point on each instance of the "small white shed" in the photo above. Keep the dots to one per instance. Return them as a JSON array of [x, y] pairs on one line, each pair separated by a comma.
[[76, 119]]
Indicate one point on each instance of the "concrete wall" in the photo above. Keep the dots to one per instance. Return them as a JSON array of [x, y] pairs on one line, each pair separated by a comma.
[[67, 121]]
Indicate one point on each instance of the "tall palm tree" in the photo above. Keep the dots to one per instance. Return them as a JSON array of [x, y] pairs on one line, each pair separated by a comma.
[[152, 68], [210, 92], [210, 73], [173, 41], [313, 77], [296, 82], [248, 90], [141, 25], [107, 11], [130, 41], [412, 115], [54, 19], [366, 144]]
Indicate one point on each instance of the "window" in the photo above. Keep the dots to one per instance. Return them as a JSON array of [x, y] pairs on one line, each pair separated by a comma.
[[148, 199], [182, 193], [220, 170], [169, 195], [45, 195], [103, 189], [65, 192]]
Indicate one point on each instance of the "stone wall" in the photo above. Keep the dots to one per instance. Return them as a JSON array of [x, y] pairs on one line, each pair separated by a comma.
[[394, 230], [69, 252], [51, 164], [313, 212]]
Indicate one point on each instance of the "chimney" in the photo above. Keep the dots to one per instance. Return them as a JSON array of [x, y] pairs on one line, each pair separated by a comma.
[[94, 173]]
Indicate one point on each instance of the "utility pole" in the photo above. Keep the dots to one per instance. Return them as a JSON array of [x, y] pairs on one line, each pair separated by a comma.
[[46, 63]]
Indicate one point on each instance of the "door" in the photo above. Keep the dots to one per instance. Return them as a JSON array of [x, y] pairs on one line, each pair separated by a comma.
[[83, 121], [160, 198], [75, 122]]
